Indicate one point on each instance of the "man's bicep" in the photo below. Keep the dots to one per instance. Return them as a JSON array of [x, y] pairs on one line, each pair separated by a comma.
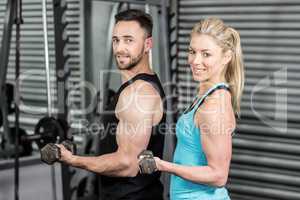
[[134, 131], [136, 119]]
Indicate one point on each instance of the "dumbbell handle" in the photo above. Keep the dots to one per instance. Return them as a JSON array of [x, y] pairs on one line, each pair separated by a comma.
[[69, 146], [30, 137]]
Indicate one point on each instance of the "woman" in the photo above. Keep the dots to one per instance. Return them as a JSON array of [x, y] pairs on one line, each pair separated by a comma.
[[202, 157]]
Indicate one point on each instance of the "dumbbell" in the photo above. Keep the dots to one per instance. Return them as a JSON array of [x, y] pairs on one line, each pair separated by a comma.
[[147, 163], [50, 153]]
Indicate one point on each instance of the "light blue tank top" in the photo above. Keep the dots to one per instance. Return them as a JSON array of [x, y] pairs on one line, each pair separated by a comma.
[[189, 152]]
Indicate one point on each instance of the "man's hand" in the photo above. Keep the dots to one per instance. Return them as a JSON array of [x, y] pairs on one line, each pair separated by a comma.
[[66, 156]]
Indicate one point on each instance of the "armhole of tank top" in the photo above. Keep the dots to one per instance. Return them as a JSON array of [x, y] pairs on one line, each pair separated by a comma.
[[219, 87]]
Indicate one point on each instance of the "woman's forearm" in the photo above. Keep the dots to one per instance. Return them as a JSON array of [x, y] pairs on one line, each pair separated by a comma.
[[198, 174]]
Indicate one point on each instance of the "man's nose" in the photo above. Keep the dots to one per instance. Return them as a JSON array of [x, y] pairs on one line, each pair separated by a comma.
[[119, 47]]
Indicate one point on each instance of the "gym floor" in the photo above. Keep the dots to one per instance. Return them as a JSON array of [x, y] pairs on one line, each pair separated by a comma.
[[35, 180]]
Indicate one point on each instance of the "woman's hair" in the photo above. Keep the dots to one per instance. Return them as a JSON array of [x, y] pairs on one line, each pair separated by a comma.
[[228, 39]]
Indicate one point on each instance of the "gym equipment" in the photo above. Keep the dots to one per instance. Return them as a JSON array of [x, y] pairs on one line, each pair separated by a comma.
[[48, 130], [147, 163], [51, 152], [25, 146], [1, 118], [9, 92], [45, 133]]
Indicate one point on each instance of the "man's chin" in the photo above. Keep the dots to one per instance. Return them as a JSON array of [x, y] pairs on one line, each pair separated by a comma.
[[126, 67], [122, 67]]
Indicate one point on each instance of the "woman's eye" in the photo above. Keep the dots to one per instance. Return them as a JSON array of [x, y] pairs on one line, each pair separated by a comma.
[[206, 54], [191, 52]]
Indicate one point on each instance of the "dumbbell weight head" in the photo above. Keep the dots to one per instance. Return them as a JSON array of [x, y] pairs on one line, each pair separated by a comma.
[[147, 163], [50, 153]]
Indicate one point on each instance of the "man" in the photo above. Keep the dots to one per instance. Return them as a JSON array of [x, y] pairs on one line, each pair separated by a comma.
[[138, 112]]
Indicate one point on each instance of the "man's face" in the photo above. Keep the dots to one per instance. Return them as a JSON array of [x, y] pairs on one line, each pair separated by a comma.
[[129, 42]]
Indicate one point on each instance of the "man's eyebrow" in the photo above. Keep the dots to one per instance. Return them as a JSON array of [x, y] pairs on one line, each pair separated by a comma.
[[127, 36], [123, 36]]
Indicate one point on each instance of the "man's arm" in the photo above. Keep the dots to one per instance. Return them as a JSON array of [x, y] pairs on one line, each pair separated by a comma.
[[136, 110]]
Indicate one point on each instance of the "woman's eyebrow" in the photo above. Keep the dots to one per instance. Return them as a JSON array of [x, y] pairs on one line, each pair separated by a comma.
[[191, 48]]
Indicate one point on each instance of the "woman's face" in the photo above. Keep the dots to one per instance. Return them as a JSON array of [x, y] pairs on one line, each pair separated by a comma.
[[206, 59]]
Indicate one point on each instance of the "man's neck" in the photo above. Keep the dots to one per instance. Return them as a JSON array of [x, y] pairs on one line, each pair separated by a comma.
[[142, 67]]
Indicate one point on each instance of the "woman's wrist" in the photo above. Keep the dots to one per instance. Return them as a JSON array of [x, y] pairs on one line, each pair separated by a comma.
[[164, 166]]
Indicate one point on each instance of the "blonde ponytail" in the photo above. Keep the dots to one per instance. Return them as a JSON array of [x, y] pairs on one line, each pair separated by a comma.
[[234, 74]]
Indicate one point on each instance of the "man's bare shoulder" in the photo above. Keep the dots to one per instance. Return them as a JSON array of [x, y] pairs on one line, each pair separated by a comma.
[[140, 90], [139, 99]]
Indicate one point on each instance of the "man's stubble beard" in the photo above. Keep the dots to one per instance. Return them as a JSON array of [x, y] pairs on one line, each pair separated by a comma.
[[132, 63]]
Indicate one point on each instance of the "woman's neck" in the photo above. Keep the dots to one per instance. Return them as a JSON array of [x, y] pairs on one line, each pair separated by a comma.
[[206, 85]]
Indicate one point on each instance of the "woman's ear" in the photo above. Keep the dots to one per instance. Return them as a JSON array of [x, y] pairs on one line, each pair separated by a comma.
[[148, 44], [227, 57]]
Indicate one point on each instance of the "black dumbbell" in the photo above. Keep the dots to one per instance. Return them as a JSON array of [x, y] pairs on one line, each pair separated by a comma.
[[50, 153], [147, 163]]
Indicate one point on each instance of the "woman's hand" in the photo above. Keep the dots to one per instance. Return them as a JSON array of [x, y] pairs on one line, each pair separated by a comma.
[[158, 163]]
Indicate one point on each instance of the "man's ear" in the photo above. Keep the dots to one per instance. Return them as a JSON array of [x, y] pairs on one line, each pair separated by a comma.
[[148, 44]]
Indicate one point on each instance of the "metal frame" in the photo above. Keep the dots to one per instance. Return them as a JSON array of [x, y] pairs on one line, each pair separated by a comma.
[[12, 17], [5, 44], [150, 2], [62, 74], [4, 55]]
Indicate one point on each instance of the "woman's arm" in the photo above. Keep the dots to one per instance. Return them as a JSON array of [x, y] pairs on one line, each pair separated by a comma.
[[216, 122]]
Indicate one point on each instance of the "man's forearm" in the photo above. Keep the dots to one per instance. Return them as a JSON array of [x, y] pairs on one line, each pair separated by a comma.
[[112, 164]]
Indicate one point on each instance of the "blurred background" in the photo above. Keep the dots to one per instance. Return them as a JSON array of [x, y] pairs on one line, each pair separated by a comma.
[[266, 145]]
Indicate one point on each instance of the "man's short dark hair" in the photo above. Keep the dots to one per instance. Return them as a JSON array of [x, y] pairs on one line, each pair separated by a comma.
[[144, 19]]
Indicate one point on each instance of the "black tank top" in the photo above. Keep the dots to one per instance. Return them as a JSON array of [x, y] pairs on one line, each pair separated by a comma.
[[141, 187]]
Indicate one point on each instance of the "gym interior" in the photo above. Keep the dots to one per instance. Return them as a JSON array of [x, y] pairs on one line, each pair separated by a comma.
[[58, 73]]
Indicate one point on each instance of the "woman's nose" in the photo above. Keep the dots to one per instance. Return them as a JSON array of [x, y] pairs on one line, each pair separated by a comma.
[[197, 59]]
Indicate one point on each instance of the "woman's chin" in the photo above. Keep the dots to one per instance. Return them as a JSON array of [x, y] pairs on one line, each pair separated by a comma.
[[198, 78]]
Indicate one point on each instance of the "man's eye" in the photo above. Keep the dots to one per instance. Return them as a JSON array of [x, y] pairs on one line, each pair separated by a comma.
[[128, 40], [115, 40]]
